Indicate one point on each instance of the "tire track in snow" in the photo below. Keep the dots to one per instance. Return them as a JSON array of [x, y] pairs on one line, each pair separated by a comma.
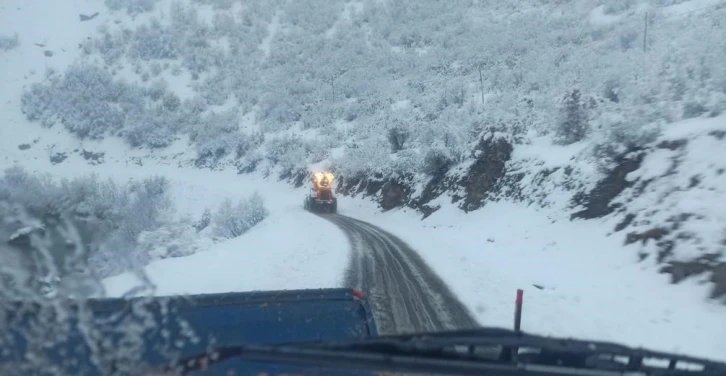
[[406, 295]]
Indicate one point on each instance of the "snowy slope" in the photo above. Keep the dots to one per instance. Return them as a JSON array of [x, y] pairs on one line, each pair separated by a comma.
[[579, 276], [680, 188], [589, 284], [289, 249], [277, 253]]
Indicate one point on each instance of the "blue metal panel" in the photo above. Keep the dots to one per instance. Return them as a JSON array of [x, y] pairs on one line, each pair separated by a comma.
[[215, 319]]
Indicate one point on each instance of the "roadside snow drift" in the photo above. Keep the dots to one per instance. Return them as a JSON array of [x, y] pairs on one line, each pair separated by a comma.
[[291, 249]]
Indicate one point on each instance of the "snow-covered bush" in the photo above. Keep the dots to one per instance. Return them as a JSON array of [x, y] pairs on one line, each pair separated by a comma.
[[436, 160], [364, 157], [573, 124], [289, 152], [219, 4], [147, 128], [86, 100], [204, 221], [131, 6], [109, 217], [9, 42], [217, 135], [232, 220], [397, 136], [404, 163], [174, 239], [215, 89], [154, 42]]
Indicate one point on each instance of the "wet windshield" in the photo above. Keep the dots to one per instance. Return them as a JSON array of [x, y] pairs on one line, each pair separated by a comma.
[[183, 175]]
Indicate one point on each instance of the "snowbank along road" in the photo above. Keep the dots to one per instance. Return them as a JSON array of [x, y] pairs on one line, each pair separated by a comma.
[[405, 294]]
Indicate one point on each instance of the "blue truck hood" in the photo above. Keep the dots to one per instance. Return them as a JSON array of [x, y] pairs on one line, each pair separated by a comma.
[[141, 332]]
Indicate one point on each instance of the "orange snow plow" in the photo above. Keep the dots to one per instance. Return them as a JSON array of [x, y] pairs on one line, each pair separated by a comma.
[[321, 199]]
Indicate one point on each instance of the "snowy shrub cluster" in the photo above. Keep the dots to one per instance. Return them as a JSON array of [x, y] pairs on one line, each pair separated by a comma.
[[9, 42], [174, 239], [154, 42], [289, 152], [90, 103], [421, 79], [131, 6], [217, 4], [573, 125], [232, 220], [86, 100], [217, 135], [109, 217]]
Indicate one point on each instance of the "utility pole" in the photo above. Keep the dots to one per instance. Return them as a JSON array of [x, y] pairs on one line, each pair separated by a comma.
[[645, 32], [334, 76], [481, 83]]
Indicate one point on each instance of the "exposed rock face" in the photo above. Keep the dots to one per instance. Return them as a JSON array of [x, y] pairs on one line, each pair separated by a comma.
[[709, 263], [393, 195], [471, 185], [668, 234], [485, 173], [597, 202]]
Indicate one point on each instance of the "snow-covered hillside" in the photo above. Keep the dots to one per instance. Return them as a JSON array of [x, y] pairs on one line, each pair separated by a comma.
[[610, 254], [573, 157]]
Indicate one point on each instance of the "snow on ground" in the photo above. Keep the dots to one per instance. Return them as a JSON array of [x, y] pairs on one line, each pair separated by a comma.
[[598, 16], [41, 26], [579, 279], [691, 7], [591, 286], [686, 183], [289, 249]]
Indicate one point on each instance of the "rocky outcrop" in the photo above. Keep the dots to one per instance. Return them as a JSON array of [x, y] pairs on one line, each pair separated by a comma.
[[470, 185], [597, 202], [393, 195], [485, 173], [654, 235], [708, 263]]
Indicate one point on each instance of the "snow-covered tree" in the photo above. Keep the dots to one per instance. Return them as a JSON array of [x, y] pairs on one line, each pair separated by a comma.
[[232, 220], [107, 216], [573, 125]]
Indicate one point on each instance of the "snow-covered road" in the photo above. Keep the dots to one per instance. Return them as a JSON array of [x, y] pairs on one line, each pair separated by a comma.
[[406, 294]]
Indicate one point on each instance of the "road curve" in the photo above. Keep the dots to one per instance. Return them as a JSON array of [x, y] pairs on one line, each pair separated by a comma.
[[406, 296]]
